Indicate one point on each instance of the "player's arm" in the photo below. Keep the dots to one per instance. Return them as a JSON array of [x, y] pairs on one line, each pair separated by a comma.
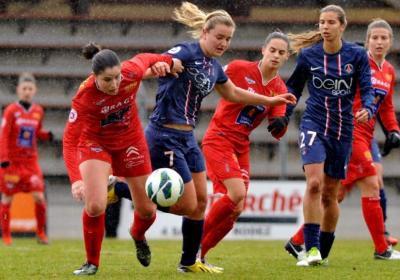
[[277, 119], [42, 134], [5, 133], [363, 76], [295, 84], [71, 137]]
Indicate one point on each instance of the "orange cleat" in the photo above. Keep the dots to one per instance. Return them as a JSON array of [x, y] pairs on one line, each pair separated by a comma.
[[7, 240], [42, 238], [391, 240]]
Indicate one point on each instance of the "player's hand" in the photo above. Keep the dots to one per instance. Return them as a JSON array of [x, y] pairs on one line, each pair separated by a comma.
[[278, 126], [160, 69], [78, 191], [5, 164], [286, 98], [392, 141], [362, 116], [177, 67]]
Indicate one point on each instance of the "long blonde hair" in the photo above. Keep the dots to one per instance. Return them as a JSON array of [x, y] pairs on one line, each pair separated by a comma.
[[309, 38], [378, 23], [190, 15]]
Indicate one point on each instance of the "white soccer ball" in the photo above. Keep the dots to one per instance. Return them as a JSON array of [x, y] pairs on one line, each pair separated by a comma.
[[164, 187]]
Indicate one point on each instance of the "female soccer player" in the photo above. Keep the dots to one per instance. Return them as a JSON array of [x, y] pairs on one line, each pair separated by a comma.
[[21, 126], [226, 144], [333, 69], [104, 133], [361, 170], [170, 132]]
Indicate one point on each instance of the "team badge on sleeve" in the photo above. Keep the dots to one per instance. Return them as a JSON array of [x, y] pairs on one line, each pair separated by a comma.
[[73, 115], [174, 50]]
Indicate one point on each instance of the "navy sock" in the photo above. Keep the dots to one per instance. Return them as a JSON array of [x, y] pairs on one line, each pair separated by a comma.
[[326, 241], [192, 232], [383, 202], [311, 236], [122, 190]]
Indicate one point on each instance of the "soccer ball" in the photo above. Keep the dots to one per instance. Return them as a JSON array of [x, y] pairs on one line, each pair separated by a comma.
[[164, 187]]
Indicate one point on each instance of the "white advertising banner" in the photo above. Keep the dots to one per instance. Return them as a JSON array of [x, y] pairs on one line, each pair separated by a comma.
[[273, 210]]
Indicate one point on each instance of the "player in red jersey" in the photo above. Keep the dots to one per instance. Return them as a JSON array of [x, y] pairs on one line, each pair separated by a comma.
[[104, 133], [361, 170], [226, 144], [21, 126]]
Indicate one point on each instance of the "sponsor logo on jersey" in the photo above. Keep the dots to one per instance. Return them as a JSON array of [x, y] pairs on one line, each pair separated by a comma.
[[174, 50], [109, 108], [249, 81], [338, 87], [96, 149], [131, 150], [348, 68], [388, 77], [100, 102], [22, 121], [315, 68], [130, 87], [379, 82], [73, 115], [36, 115]]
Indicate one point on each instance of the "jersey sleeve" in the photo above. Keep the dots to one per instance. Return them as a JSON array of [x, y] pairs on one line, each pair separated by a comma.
[[70, 141], [181, 52], [5, 132], [141, 62], [278, 111], [42, 134], [387, 113], [295, 84], [363, 76]]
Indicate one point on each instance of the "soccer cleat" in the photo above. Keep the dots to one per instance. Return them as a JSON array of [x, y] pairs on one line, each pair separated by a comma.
[[296, 251], [42, 238], [392, 241], [111, 196], [143, 252], [388, 255], [313, 257], [197, 267], [86, 269], [7, 240], [324, 262], [204, 261]]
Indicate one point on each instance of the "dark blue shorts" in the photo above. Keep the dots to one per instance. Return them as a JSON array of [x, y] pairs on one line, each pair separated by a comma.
[[376, 154], [174, 149], [317, 148]]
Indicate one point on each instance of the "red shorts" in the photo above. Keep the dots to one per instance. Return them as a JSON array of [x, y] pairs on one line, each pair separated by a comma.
[[361, 164], [222, 162], [133, 161], [21, 177]]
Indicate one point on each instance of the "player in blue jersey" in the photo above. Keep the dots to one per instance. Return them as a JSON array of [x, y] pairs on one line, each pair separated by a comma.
[[170, 132], [332, 69]]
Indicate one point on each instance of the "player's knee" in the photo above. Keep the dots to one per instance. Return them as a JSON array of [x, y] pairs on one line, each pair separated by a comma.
[[238, 210], [314, 186], [201, 205], [328, 199], [95, 209], [147, 212]]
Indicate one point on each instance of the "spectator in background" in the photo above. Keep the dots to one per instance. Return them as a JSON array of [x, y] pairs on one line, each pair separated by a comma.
[[21, 126]]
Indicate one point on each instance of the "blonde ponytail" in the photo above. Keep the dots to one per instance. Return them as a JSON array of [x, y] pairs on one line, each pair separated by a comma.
[[191, 16], [303, 40]]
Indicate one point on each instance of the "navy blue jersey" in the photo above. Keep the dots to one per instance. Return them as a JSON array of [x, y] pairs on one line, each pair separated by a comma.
[[331, 80], [178, 100]]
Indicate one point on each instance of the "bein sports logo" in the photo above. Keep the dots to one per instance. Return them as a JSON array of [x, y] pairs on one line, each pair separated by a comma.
[[338, 87]]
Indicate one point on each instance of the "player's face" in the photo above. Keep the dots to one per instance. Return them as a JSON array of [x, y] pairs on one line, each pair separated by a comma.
[[26, 91], [109, 80], [379, 42], [275, 54], [216, 41], [330, 27]]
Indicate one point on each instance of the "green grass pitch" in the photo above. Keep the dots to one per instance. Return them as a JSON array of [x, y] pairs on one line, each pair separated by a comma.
[[350, 259]]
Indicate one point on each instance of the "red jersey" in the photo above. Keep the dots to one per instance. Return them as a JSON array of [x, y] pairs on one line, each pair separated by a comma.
[[20, 129], [383, 81], [235, 120], [110, 121]]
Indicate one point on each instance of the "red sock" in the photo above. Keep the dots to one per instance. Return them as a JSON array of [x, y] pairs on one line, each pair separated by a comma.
[[298, 237], [140, 226], [5, 219], [40, 213], [93, 233], [220, 211], [216, 235], [373, 217]]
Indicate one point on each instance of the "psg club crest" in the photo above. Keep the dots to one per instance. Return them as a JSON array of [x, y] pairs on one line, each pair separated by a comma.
[[348, 68]]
